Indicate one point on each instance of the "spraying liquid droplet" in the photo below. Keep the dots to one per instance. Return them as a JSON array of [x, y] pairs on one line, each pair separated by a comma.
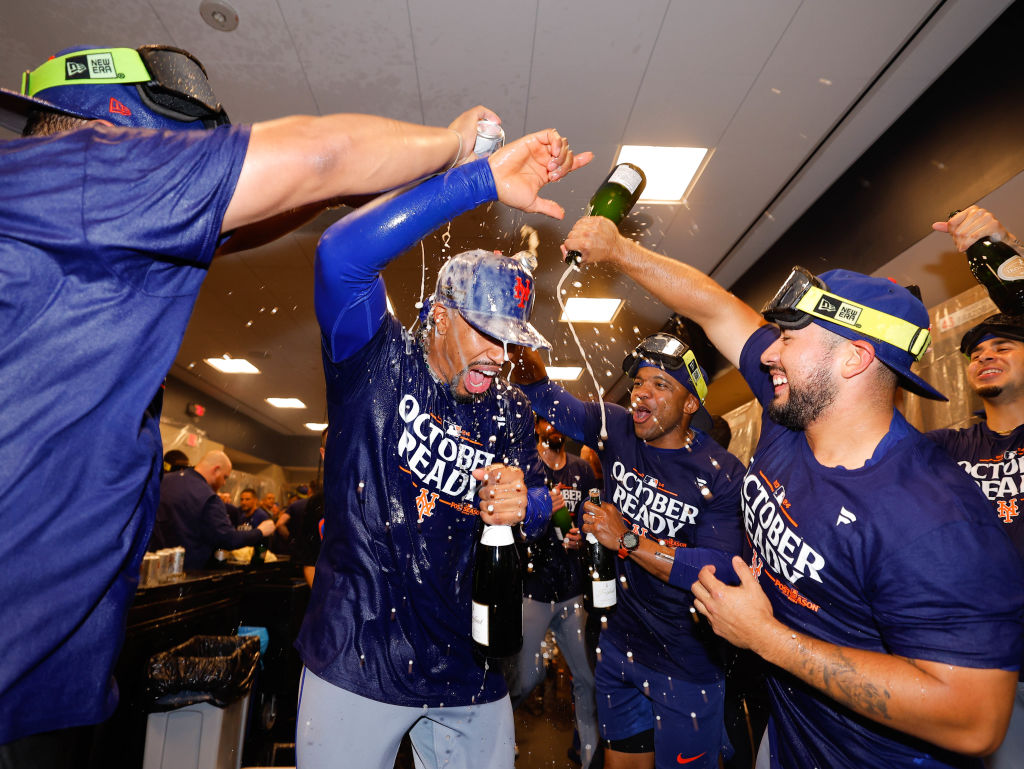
[[586, 361]]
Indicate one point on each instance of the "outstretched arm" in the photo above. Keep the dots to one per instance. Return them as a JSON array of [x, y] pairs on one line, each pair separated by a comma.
[[958, 708], [298, 160], [971, 225], [726, 320]]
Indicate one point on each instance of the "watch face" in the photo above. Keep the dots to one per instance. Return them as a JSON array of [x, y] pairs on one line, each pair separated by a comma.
[[630, 540]]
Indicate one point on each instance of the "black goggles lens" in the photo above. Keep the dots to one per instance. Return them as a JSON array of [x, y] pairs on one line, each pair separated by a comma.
[[661, 349], [781, 308], [180, 88]]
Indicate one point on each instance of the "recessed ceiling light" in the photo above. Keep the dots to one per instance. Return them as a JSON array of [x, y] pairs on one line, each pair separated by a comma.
[[219, 15], [286, 403], [671, 171], [583, 310], [564, 373], [317, 427], [228, 365]]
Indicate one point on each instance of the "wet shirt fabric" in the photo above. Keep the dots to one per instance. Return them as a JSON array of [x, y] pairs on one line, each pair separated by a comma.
[[389, 617], [550, 571], [902, 556], [996, 463], [659, 494], [105, 237]]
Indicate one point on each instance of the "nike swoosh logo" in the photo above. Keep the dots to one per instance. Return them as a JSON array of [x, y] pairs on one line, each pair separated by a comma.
[[681, 760]]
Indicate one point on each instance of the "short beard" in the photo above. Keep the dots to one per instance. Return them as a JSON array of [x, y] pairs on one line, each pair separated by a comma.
[[806, 403], [467, 397], [989, 392]]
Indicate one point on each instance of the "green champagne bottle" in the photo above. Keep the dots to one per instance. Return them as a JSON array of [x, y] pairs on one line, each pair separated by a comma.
[[561, 517], [615, 197], [1000, 269]]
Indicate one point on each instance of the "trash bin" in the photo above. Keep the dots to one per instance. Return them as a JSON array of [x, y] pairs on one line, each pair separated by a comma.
[[199, 696]]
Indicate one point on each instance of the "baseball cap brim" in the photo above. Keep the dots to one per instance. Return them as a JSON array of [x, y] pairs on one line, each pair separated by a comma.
[[15, 109], [508, 330]]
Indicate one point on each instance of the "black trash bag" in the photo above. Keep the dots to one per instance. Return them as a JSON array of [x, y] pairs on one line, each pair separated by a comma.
[[206, 668]]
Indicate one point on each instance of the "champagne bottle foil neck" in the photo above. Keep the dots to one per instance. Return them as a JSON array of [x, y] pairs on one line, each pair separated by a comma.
[[496, 536]]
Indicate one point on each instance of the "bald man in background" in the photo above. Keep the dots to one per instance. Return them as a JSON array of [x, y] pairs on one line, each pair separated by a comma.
[[192, 514]]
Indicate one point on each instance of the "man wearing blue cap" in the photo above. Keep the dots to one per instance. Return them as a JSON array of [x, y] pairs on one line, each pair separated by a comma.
[[880, 590], [672, 506], [111, 213], [992, 451], [424, 441]]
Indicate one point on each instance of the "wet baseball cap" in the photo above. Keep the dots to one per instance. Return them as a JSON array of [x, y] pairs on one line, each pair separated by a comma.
[[493, 292], [857, 306], [995, 326], [155, 86], [673, 356]]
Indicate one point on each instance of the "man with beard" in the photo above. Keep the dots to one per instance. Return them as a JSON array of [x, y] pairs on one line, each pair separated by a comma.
[[424, 441], [992, 451], [672, 506], [881, 590], [553, 587]]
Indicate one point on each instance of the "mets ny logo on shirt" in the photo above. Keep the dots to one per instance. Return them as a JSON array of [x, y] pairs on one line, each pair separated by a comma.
[[440, 455], [774, 533], [1002, 481]]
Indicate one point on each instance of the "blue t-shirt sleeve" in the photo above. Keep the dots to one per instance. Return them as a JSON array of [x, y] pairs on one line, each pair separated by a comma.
[[579, 420], [349, 292], [759, 380]]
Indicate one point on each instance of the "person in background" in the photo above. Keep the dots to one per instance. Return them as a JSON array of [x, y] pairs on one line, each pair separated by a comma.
[[234, 512], [553, 588], [109, 289], [992, 451], [671, 505], [306, 548], [251, 514], [590, 456], [881, 652], [425, 440], [175, 460], [192, 515]]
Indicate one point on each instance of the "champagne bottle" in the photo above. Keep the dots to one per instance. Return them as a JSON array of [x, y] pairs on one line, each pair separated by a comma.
[[497, 595], [561, 517], [1000, 269], [259, 552], [601, 589], [615, 197]]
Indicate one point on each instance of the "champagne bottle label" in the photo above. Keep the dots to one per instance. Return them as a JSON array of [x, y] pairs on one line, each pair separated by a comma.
[[1011, 269], [481, 627], [627, 177], [604, 593]]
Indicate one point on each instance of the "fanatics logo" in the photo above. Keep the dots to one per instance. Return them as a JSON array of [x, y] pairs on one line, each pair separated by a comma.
[[845, 516]]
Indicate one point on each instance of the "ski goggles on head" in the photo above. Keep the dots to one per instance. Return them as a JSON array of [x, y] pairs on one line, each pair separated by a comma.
[[170, 81], [671, 354], [804, 297]]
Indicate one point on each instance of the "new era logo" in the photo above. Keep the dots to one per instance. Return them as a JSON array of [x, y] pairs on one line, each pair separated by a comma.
[[845, 516], [117, 108], [90, 66], [833, 307]]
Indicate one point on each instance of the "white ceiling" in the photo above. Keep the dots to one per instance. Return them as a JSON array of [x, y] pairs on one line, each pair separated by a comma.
[[787, 92]]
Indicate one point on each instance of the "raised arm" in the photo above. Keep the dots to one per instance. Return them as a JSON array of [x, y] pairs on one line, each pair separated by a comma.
[[726, 320], [971, 225], [298, 160], [958, 708]]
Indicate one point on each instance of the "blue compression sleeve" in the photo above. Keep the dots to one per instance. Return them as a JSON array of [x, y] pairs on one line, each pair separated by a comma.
[[688, 561], [558, 406], [350, 297]]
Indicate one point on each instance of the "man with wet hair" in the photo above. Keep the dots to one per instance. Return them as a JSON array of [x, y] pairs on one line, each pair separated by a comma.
[[112, 208], [671, 505], [992, 450], [881, 589], [425, 440]]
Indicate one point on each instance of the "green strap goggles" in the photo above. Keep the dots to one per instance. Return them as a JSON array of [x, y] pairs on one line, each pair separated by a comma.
[[671, 354], [803, 296]]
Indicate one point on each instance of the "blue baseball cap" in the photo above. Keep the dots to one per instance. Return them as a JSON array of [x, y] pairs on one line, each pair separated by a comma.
[[851, 304], [153, 86], [493, 292], [673, 356]]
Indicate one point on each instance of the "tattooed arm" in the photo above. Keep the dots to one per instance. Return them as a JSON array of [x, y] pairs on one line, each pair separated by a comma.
[[958, 708]]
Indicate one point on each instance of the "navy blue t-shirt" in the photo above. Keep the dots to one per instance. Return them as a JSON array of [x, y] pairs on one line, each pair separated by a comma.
[[551, 572], [658, 492], [900, 556], [996, 463], [105, 237], [390, 613]]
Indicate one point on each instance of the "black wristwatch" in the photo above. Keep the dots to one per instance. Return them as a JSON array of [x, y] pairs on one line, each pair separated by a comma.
[[628, 542]]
